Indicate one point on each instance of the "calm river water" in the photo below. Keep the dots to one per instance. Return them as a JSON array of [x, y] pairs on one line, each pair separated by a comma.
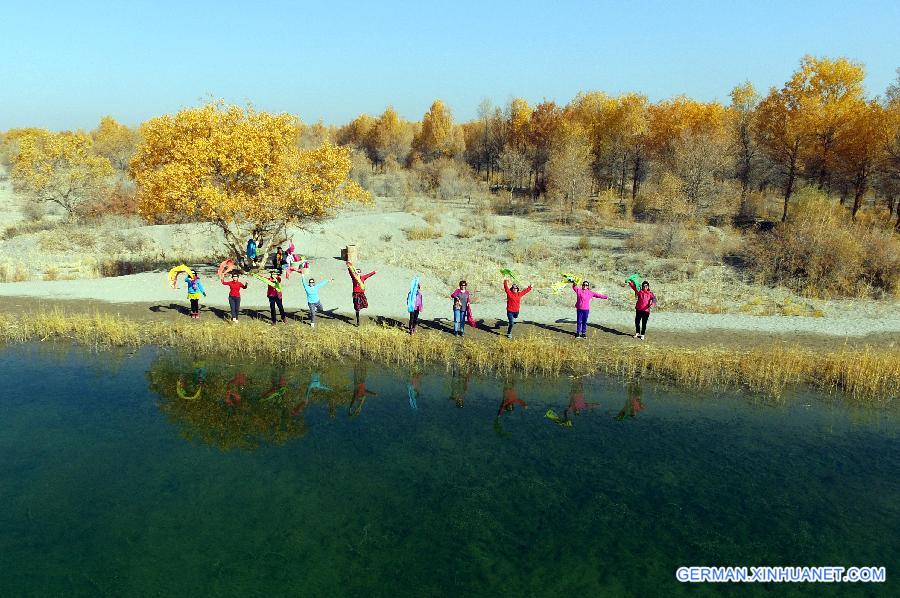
[[158, 474]]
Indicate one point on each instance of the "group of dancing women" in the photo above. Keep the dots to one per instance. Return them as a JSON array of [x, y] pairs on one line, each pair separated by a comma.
[[284, 262]]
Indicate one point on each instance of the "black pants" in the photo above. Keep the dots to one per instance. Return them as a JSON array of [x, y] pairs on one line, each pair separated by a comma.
[[235, 304], [273, 301], [413, 319], [640, 321], [195, 306]]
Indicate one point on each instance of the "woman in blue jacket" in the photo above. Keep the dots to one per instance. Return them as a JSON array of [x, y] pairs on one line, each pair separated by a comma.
[[312, 297], [194, 291]]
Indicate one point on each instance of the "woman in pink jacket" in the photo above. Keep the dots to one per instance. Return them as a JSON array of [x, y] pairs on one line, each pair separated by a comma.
[[583, 297], [645, 300]]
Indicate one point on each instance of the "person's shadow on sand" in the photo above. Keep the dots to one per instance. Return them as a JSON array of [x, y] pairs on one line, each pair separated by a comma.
[[559, 330], [182, 309]]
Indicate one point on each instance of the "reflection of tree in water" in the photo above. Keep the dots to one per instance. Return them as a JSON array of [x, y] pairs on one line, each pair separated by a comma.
[[241, 407]]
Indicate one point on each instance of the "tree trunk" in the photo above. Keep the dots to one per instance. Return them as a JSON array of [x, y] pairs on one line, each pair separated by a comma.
[[636, 177], [857, 200], [789, 188]]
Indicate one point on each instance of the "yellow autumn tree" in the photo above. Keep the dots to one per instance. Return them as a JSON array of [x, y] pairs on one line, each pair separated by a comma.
[[239, 169], [831, 95], [569, 171], [389, 138], [518, 115], [781, 132], [115, 142], [59, 168], [438, 138], [742, 113], [858, 151]]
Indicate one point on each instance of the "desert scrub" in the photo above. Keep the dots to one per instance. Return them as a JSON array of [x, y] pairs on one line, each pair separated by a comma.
[[28, 227], [13, 272], [820, 252], [861, 375], [423, 233]]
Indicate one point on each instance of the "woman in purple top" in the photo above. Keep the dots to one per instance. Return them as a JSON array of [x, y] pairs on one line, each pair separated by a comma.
[[583, 297]]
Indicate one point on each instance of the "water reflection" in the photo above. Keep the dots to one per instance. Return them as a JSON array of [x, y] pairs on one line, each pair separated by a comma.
[[507, 405], [222, 406], [459, 386], [633, 403], [360, 392], [412, 391]]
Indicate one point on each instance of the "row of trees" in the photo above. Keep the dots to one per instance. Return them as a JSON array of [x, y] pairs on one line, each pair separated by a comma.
[[819, 128]]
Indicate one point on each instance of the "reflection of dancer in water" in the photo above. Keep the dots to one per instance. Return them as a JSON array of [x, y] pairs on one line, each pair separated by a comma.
[[510, 400], [576, 398], [459, 385], [232, 396], [633, 404], [412, 392], [360, 392], [315, 383], [199, 380], [508, 404]]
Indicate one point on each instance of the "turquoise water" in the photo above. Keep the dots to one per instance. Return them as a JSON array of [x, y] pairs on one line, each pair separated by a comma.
[[363, 481]]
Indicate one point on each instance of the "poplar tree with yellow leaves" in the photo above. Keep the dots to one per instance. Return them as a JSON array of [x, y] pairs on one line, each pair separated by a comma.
[[59, 168], [438, 138], [240, 170], [115, 142]]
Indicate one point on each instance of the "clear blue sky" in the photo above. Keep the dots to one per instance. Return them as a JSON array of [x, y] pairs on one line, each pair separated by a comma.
[[64, 64]]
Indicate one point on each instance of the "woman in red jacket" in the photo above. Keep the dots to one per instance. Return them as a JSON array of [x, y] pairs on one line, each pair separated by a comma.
[[645, 300], [513, 302], [360, 301]]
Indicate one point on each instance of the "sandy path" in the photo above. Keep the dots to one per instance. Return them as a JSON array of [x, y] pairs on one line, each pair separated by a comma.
[[387, 297]]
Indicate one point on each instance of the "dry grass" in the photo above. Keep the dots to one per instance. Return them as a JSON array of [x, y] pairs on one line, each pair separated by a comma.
[[10, 272], [423, 233], [820, 252], [862, 375], [28, 227]]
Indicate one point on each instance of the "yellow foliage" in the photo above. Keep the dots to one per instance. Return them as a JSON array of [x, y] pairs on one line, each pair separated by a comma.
[[115, 142], [239, 169], [438, 137], [60, 168]]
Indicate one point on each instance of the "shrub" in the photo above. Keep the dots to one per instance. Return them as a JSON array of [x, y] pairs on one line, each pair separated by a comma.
[[28, 227], [483, 221], [361, 170], [394, 183], [510, 234], [120, 200], [819, 251], [584, 243], [423, 233], [445, 179], [663, 201], [607, 208], [52, 273], [530, 252]]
